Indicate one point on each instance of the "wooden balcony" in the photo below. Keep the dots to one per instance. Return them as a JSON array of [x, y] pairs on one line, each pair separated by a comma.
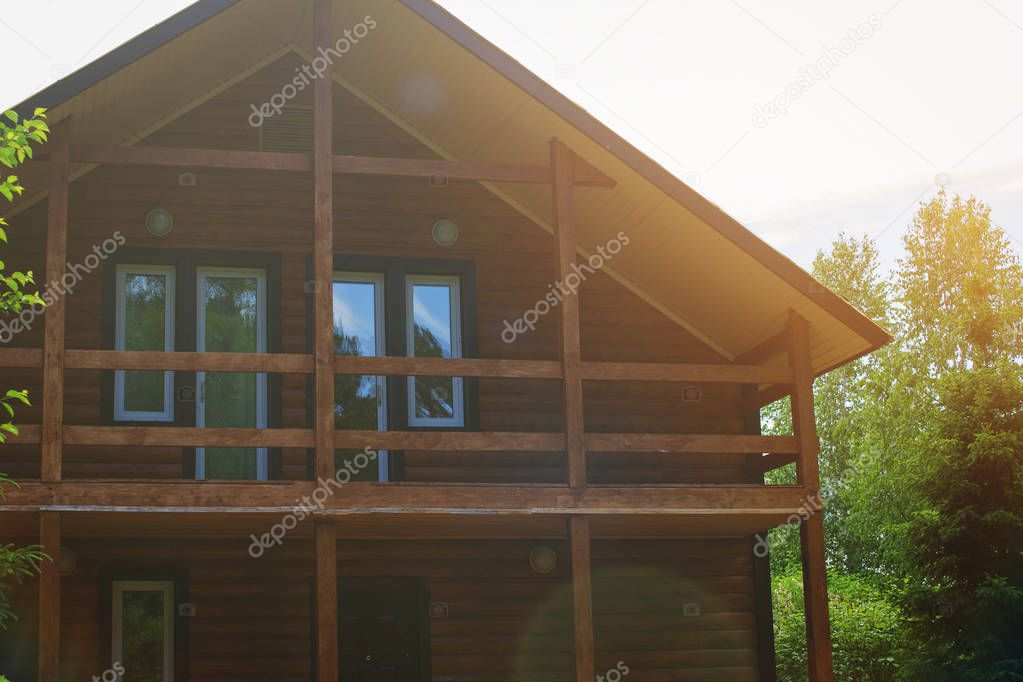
[[773, 450]]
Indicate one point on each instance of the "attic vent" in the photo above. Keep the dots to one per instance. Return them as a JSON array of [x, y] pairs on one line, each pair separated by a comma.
[[289, 131]]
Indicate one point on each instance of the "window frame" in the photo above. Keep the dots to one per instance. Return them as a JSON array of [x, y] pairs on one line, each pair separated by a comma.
[[167, 588], [410, 281], [203, 272], [187, 261], [394, 270], [379, 282], [121, 414]]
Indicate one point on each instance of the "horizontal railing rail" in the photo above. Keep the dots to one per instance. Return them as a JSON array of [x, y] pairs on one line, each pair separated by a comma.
[[776, 450], [456, 367], [28, 434], [21, 357], [476, 441], [278, 363], [284, 363], [187, 436]]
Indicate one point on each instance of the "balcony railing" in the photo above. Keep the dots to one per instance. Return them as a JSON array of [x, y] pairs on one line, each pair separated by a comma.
[[781, 449]]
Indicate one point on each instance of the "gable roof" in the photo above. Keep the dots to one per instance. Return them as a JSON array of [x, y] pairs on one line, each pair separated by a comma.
[[467, 100]]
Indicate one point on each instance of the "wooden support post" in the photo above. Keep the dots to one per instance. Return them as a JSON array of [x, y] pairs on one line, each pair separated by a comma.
[[815, 578], [323, 253], [49, 598], [562, 181], [326, 602], [582, 598], [53, 339], [804, 424]]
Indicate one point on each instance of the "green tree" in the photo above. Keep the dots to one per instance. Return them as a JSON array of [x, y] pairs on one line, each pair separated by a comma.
[[959, 307], [16, 138], [967, 597], [961, 287], [909, 434]]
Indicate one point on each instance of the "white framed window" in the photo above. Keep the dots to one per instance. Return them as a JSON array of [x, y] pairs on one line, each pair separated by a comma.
[[231, 317], [360, 402], [433, 327], [142, 634], [144, 322]]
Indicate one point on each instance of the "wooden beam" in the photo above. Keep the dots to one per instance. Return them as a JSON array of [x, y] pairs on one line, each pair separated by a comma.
[[186, 437], [462, 170], [435, 441], [582, 598], [182, 157], [654, 371], [772, 503], [765, 350], [765, 396], [30, 434], [774, 460], [586, 174], [442, 441], [562, 180], [447, 367], [804, 424], [689, 443], [405, 366], [21, 357], [274, 363], [811, 532], [54, 318], [49, 598], [815, 600], [327, 660], [323, 249]]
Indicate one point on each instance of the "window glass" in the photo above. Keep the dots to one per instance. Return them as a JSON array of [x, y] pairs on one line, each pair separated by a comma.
[[434, 332], [231, 321], [143, 630], [359, 401], [144, 323]]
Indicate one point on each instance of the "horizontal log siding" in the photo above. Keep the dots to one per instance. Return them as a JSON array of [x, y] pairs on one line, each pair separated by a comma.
[[505, 623]]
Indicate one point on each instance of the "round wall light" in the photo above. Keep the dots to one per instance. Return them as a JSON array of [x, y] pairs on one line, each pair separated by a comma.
[[445, 232], [159, 222], [543, 559]]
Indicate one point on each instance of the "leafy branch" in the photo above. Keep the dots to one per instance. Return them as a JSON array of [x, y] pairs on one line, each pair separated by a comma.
[[17, 137]]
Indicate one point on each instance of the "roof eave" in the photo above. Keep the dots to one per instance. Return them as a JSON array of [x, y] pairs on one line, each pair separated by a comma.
[[124, 55]]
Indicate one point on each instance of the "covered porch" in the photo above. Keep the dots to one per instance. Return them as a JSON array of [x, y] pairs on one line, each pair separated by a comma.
[[400, 595]]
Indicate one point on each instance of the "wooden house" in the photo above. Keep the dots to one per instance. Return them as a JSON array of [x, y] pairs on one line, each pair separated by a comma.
[[370, 356]]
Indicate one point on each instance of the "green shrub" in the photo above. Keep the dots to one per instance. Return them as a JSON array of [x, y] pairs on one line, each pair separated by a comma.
[[868, 630]]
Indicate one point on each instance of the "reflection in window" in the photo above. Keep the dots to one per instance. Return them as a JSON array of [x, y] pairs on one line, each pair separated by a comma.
[[143, 630], [145, 322], [359, 401], [434, 331], [231, 320]]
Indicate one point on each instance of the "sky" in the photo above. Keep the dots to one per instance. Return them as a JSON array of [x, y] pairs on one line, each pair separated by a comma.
[[800, 118]]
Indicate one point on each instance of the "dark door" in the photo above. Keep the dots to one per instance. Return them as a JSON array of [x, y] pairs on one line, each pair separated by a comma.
[[383, 629]]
